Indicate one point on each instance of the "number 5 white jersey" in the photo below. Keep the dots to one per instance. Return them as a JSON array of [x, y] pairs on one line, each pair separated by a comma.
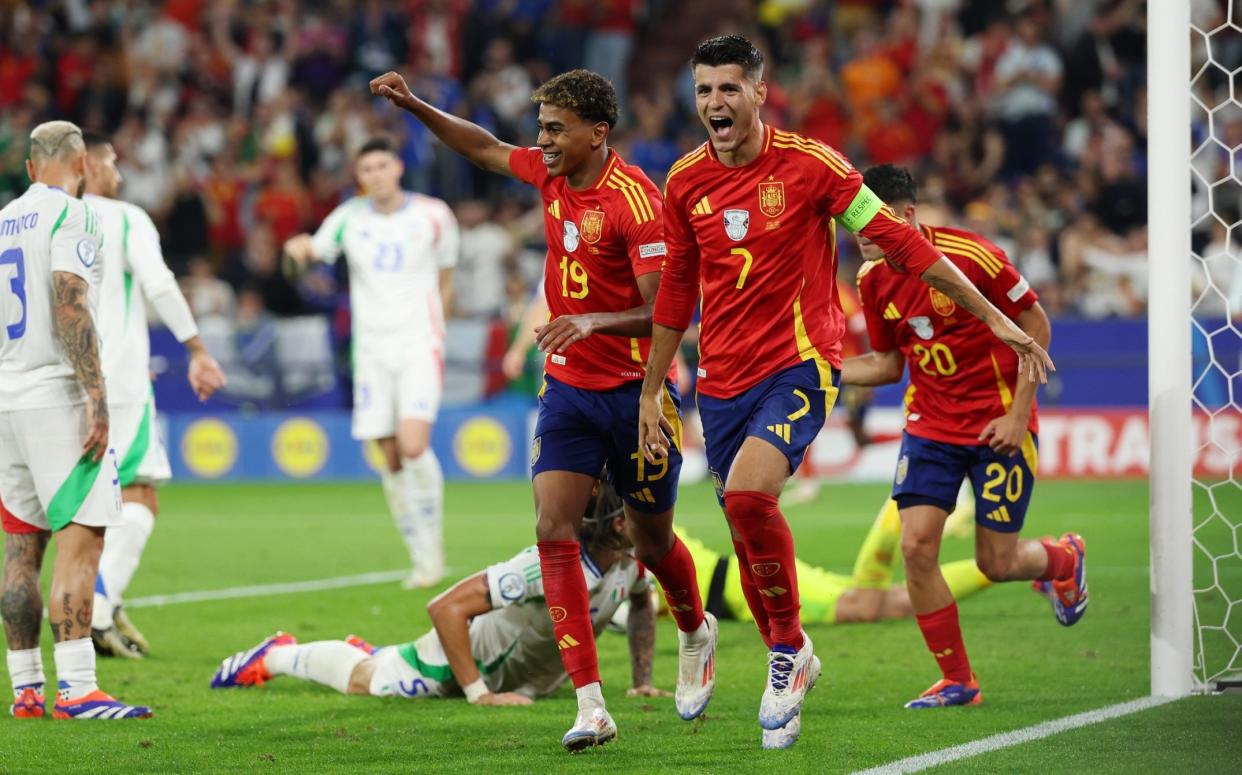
[[394, 271], [43, 231]]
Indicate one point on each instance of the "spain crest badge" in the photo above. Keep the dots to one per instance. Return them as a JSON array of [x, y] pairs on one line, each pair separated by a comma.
[[941, 303], [772, 198], [592, 225]]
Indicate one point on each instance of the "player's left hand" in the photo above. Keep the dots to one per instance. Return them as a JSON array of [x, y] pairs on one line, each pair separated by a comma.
[[654, 429], [646, 690], [1005, 434], [557, 335], [1033, 360], [205, 375]]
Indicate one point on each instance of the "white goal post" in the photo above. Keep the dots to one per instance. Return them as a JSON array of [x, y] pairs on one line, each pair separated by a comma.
[[1169, 348]]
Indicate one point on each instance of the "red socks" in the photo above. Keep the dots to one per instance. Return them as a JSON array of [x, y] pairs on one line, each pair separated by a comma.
[[680, 585], [565, 591], [750, 590], [1060, 561], [943, 636], [770, 560]]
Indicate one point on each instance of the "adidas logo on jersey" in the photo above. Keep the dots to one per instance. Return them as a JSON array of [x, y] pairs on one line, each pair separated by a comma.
[[781, 430], [702, 208], [891, 312], [1000, 515], [567, 641], [773, 591]]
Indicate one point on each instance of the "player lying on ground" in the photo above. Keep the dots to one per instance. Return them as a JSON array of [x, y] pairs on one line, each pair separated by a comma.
[[605, 235], [58, 472], [750, 221], [134, 273], [401, 248], [970, 412], [492, 639]]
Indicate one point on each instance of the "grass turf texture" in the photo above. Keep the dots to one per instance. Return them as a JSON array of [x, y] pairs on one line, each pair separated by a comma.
[[210, 537]]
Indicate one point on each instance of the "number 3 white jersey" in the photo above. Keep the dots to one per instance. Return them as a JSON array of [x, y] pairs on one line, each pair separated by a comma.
[[43, 231], [394, 271]]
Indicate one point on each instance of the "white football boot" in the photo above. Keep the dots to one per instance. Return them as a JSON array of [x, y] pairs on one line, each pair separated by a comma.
[[592, 727], [696, 677], [787, 735], [789, 678]]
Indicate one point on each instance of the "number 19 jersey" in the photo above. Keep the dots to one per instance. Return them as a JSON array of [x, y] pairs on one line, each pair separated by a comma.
[[43, 231], [600, 239]]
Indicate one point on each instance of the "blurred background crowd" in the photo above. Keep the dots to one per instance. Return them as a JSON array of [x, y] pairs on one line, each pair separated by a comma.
[[1025, 120]]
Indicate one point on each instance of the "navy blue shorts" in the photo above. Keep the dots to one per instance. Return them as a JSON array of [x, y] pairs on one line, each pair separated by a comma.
[[787, 409], [931, 472], [582, 430]]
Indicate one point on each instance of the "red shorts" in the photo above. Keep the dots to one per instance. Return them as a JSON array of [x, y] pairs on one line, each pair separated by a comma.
[[14, 526]]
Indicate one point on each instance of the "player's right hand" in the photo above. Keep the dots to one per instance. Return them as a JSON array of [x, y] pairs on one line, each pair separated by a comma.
[[654, 430], [502, 698], [96, 443], [1033, 360], [391, 86], [301, 248]]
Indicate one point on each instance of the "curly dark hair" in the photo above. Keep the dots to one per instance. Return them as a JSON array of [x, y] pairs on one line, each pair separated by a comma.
[[892, 183], [605, 507], [730, 50], [588, 94]]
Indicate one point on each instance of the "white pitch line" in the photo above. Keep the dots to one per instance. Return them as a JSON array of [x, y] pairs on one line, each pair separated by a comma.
[[1015, 737], [264, 590]]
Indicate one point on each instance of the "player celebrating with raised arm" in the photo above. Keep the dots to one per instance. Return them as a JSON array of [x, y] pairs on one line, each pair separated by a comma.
[[133, 256], [969, 412], [492, 640], [57, 470], [750, 219], [605, 244], [401, 248]]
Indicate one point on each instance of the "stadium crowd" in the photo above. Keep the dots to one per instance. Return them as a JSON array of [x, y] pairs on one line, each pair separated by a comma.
[[235, 121]]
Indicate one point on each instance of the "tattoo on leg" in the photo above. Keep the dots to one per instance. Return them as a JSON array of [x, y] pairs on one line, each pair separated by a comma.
[[21, 602]]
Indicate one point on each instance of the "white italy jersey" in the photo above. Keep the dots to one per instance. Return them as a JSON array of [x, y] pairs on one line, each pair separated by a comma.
[[514, 644], [394, 270], [43, 231], [135, 258]]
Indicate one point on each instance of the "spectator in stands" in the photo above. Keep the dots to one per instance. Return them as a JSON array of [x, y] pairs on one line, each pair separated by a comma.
[[479, 281], [1028, 79]]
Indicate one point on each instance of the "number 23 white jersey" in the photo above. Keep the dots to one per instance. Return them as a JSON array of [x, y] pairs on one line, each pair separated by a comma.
[[394, 270]]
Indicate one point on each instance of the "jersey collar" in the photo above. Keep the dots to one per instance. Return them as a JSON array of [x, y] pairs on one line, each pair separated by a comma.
[[590, 564], [613, 158], [768, 132]]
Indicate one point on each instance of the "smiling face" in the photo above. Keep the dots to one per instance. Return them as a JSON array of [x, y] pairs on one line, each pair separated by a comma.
[[567, 140], [728, 104]]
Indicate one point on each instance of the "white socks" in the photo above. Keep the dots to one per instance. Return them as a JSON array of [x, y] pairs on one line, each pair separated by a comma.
[[327, 662], [415, 497], [75, 668], [590, 697], [25, 668], [123, 545]]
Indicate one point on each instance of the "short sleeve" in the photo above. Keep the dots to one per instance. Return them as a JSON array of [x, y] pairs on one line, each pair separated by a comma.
[[448, 236], [528, 167], [516, 580], [76, 240], [879, 332], [1003, 284], [329, 239], [644, 232], [141, 248]]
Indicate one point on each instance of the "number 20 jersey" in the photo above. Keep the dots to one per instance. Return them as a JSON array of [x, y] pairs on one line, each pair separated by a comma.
[[961, 376], [43, 231], [600, 239]]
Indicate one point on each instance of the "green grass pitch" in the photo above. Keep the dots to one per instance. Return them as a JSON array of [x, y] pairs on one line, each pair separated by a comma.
[[212, 537]]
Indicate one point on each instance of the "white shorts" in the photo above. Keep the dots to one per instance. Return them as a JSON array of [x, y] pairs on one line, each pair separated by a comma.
[[395, 676], [386, 392], [136, 436], [45, 482]]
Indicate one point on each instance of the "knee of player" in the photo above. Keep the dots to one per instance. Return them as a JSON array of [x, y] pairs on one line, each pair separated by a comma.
[[413, 448], [996, 567], [742, 508], [360, 677], [921, 551]]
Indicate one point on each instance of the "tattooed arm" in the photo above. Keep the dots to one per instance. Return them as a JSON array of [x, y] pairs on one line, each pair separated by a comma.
[[76, 331], [640, 628], [21, 603]]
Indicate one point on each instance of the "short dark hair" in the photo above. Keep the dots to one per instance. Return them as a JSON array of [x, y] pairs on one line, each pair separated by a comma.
[[94, 139], [891, 183], [730, 50], [377, 143], [588, 94]]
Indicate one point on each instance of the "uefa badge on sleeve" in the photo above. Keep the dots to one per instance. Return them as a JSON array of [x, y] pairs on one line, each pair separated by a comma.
[[922, 326]]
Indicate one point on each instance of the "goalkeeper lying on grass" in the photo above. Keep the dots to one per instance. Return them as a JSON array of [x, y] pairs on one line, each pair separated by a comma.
[[492, 638]]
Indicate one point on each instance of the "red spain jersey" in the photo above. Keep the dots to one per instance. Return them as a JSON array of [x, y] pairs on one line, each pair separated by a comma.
[[759, 242], [599, 241], [961, 376]]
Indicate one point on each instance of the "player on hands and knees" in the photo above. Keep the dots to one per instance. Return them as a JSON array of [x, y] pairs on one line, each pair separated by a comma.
[[135, 263], [605, 247], [492, 639], [401, 248], [750, 221], [58, 473], [970, 412]]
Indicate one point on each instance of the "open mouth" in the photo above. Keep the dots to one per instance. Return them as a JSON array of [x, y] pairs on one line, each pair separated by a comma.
[[721, 126], [551, 157]]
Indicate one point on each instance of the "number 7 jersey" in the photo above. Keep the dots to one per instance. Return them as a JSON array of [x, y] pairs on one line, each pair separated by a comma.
[[600, 239], [41, 232]]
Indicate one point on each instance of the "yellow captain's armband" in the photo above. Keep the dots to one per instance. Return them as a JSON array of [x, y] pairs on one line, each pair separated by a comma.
[[860, 212]]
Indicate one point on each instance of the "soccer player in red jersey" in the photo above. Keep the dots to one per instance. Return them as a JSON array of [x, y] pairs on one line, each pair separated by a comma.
[[605, 238], [750, 220], [969, 413]]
